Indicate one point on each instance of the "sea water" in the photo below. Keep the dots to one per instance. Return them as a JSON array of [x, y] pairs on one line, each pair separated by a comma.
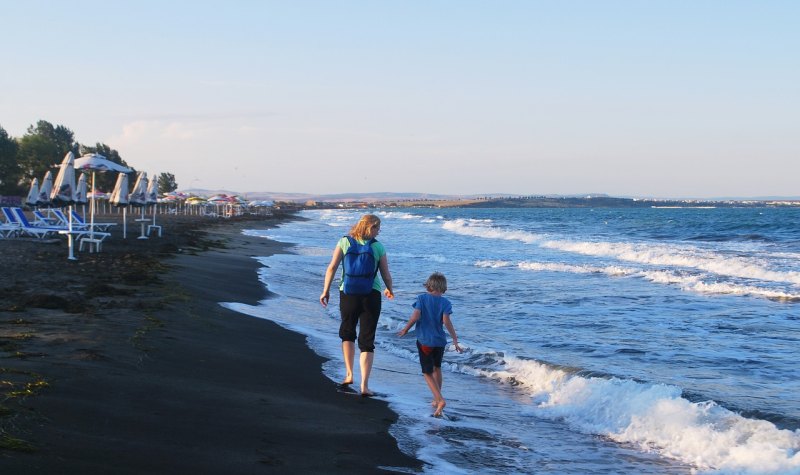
[[597, 340]]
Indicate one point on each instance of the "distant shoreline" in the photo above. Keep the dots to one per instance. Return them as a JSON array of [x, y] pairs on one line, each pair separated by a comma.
[[545, 202]]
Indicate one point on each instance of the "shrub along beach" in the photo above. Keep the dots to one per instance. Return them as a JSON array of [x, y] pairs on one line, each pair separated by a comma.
[[123, 361]]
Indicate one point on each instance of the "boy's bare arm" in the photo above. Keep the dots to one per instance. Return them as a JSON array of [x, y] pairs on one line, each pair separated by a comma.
[[450, 328], [411, 321]]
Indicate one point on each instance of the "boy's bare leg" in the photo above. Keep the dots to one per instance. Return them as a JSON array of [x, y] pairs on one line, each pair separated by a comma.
[[437, 394], [437, 375], [366, 359], [348, 352]]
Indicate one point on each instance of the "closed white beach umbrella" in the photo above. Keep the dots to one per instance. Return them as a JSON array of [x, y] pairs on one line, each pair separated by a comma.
[[33, 195], [81, 194], [45, 188], [97, 163], [63, 193], [152, 196], [152, 190], [138, 197], [120, 195], [119, 198]]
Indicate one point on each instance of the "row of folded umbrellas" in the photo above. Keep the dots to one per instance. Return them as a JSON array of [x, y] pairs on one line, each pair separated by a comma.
[[65, 191]]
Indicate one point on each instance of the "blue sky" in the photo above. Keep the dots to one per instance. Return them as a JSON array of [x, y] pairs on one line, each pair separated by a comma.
[[630, 98]]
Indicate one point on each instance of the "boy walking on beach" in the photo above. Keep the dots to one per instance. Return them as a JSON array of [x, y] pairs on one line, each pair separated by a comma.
[[431, 312]]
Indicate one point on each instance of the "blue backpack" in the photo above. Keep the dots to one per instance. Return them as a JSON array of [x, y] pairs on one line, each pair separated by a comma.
[[360, 268]]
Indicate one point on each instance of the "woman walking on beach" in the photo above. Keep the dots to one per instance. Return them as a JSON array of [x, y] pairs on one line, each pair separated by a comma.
[[359, 293]]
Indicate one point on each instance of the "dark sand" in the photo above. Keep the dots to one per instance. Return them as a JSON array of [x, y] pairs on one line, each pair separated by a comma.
[[124, 362]]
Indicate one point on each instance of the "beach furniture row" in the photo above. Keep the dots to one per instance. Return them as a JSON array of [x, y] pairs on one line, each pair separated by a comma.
[[41, 226]]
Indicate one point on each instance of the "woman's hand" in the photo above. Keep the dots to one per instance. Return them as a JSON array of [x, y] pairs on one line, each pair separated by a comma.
[[324, 298], [388, 293]]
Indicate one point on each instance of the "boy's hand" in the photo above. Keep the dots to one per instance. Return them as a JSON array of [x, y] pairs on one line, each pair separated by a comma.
[[458, 348], [402, 332]]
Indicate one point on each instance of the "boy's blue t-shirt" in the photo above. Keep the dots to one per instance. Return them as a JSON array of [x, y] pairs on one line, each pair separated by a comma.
[[430, 327]]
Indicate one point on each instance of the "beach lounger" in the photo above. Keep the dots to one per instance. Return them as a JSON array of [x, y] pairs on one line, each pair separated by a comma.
[[63, 220], [7, 217], [76, 218], [16, 215], [8, 227], [85, 236], [42, 220], [8, 230]]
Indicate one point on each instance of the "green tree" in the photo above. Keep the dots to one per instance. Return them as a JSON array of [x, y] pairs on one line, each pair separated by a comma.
[[37, 154], [9, 168], [42, 148], [63, 137], [166, 183]]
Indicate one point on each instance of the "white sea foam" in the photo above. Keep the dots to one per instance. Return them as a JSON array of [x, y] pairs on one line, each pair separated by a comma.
[[654, 417], [656, 255], [430, 257], [483, 229], [659, 255], [694, 283], [733, 289], [493, 264], [614, 271], [687, 282], [398, 215]]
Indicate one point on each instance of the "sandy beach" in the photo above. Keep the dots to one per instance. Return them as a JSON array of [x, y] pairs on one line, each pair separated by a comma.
[[124, 362]]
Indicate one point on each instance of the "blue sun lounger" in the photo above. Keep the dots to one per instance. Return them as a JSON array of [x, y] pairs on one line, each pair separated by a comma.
[[85, 236], [17, 216], [76, 218], [42, 220], [64, 221], [8, 228]]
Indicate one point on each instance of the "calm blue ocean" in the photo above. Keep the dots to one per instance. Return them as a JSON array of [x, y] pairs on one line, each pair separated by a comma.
[[599, 340]]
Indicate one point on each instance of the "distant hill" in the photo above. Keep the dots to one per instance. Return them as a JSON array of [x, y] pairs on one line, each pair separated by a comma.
[[338, 197], [598, 200], [611, 202]]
